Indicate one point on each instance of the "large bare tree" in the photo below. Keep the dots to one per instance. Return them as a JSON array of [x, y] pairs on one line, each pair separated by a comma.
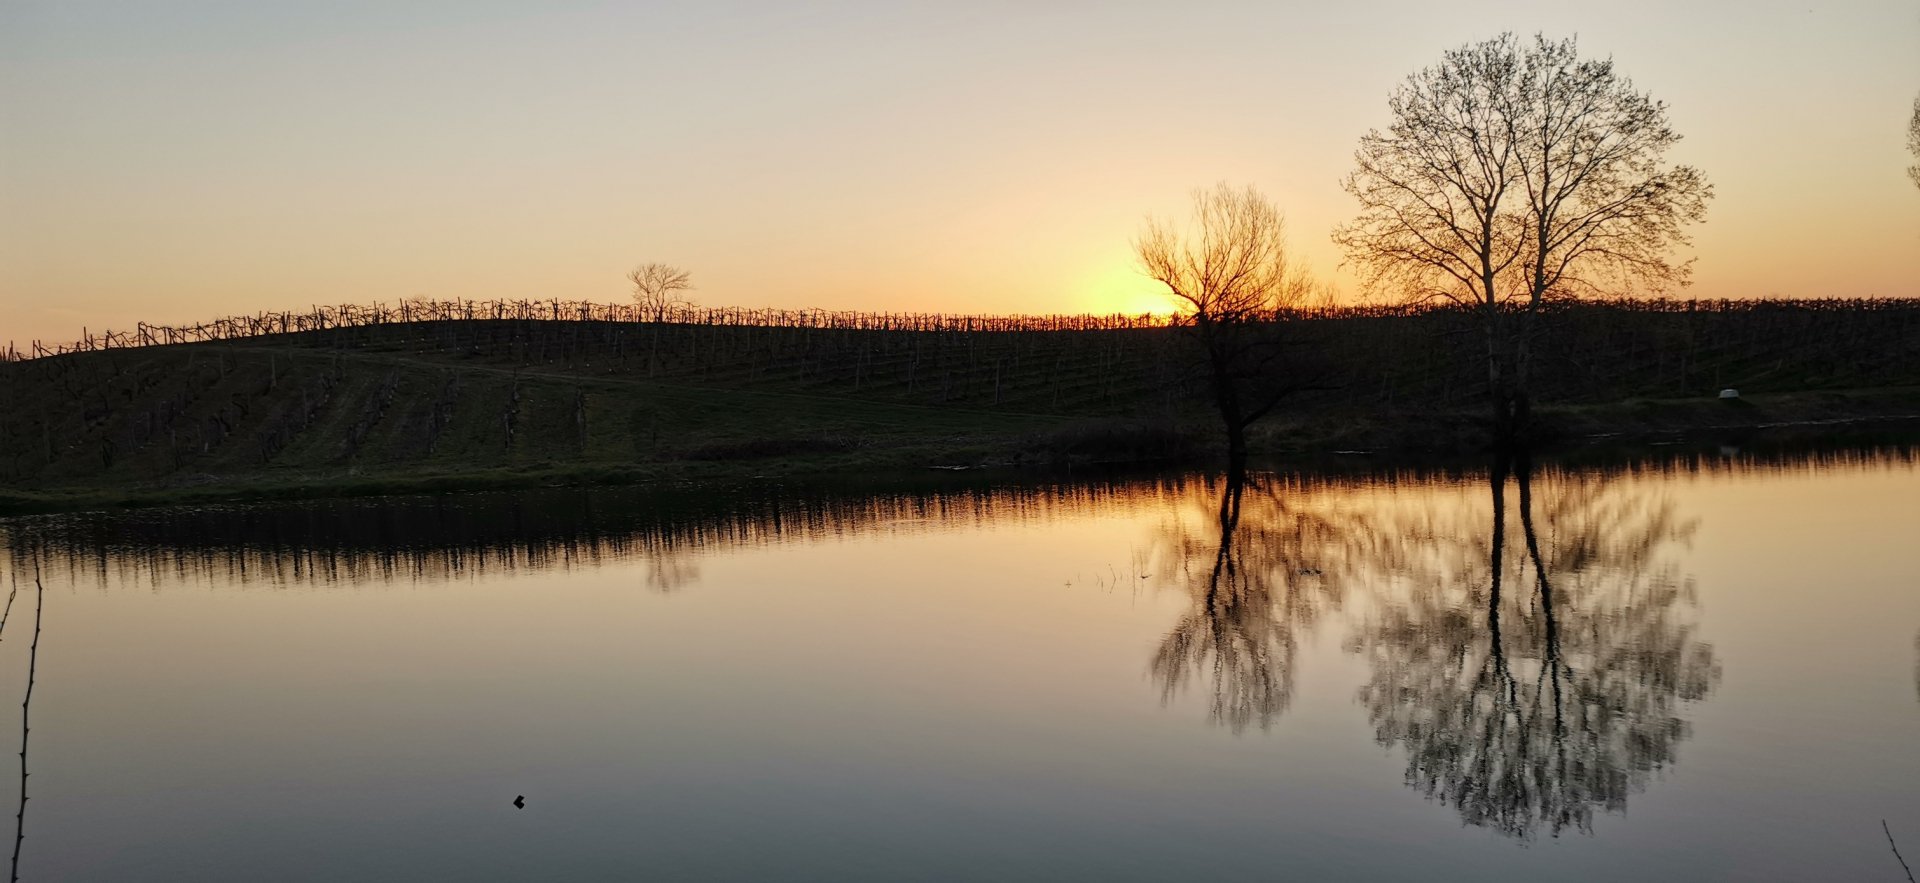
[[1232, 278], [1516, 173], [658, 288]]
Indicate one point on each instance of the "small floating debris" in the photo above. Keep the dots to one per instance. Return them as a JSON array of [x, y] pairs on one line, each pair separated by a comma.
[[520, 802], [1729, 393], [1354, 453]]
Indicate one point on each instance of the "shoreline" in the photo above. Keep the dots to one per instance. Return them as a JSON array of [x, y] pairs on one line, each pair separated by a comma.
[[1455, 436]]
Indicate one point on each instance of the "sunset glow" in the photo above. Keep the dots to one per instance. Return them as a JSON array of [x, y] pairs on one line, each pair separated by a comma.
[[957, 440], [201, 159], [1122, 288]]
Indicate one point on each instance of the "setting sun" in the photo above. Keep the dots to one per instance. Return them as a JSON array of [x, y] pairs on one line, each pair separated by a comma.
[[1120, 287]]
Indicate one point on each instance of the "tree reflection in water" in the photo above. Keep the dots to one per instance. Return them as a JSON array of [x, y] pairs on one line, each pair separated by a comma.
[[1258, 574], [1531, 675], [1532, 679], [672, 567]]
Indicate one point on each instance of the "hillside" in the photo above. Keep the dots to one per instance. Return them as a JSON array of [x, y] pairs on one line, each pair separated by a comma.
[[458, 402]]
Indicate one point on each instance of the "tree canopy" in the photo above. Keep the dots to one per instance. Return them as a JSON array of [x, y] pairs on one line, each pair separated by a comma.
[[1232, 275], [657, 289], [1515, 171], [1231, 264]]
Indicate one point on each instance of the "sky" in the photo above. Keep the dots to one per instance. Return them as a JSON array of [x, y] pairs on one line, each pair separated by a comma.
[[181, 161]]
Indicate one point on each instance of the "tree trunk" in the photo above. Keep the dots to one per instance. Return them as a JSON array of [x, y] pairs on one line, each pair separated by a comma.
[[1507, 381]]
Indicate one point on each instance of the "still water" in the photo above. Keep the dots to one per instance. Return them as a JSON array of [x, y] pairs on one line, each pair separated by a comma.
[[1696, 665]]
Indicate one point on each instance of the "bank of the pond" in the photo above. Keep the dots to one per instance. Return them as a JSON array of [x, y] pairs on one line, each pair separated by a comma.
[[1035, 447]]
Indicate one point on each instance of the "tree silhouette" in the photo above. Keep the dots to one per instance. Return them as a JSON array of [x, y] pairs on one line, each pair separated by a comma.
[[1514, 174], [657, 289], [1532, 683], [1233, 277]]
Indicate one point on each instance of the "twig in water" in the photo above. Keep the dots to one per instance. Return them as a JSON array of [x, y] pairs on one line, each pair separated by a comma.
[[33, 660], [1896, 850]]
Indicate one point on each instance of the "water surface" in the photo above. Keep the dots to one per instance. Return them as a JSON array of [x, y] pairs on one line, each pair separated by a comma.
[[1687, 666]]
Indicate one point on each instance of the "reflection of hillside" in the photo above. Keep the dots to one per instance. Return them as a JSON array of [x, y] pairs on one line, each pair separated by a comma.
[[1259, 572], [475, 534], [461, 535], [1532, 676]]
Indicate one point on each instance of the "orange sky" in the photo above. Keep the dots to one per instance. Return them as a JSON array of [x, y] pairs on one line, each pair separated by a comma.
[[207, 158]]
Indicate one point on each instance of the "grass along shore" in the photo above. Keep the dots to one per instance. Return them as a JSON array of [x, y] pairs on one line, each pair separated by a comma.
[[469, 404], [568, 430]]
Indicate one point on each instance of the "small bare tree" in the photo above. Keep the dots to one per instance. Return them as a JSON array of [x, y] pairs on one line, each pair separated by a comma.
[[657, 289], [1232, 277], [1516, 173]]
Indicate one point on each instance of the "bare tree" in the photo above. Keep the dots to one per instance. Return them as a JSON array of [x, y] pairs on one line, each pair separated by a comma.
[[1516, 173], [1233, 278], [657, 289]]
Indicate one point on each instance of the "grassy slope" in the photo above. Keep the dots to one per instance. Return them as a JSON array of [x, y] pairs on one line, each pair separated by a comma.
[[284, 417], [201, 422]]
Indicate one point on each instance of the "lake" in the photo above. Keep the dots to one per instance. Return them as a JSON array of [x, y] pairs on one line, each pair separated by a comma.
[[1682, 663]]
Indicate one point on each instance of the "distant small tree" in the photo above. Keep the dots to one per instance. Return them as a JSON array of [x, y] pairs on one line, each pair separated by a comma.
[[657, 289], [1231, 276], [1516, 173]]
